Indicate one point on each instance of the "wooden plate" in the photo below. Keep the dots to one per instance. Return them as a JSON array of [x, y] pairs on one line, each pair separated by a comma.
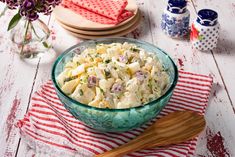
[[72, 19], [103, 32], [121, 33]]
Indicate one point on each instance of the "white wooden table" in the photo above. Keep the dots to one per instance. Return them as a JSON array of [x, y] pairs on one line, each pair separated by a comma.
[[18, 79]]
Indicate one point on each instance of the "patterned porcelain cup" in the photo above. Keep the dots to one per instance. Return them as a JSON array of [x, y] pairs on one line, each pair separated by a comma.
[[205, 30], [175, 19]]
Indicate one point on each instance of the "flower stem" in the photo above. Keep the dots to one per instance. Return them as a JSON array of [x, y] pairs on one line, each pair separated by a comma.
[[25, 36], [4, 11], [35, 31]]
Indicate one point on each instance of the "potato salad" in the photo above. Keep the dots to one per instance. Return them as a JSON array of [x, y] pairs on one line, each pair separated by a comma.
[[114, 76]]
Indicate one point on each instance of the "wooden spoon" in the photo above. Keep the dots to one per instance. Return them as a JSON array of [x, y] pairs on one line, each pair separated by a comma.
[[174, 128]]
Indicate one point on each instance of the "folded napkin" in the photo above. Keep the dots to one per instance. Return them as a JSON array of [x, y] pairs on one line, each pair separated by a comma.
[[50, 129], [100, 11]]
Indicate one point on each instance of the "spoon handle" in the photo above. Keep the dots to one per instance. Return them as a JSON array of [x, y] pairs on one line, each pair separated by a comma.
[[174, 128]]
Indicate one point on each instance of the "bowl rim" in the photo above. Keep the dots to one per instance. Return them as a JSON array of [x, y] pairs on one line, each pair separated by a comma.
[[60, 57]]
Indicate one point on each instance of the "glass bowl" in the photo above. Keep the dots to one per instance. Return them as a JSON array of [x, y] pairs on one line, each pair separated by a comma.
[[114, 120]]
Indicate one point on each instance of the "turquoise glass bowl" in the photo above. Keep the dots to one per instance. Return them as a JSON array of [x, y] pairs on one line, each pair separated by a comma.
[[114, 120]]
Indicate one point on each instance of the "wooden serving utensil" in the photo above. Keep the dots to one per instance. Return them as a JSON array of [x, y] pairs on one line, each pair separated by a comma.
[[173, 128]]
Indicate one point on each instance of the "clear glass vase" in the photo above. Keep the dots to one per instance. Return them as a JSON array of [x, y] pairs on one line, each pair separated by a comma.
[[30, 37]]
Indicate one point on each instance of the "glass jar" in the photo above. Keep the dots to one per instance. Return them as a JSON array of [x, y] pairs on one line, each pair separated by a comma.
[[205, 30], [30, 37], [175, 19]]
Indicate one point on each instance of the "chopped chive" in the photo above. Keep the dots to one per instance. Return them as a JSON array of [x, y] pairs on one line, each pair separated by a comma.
[[80, 92], [107, 61], [90, 56], [70, 78], [102, 91], [107, 73], [135, 49]]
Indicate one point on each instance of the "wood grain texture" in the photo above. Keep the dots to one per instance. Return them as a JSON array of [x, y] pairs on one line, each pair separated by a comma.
[[174, 128], [18, 79], [16, 85], [117, 34], [220, 136], [103, 32], [225, 51], [14, 94], [61, 40], [219, 112]]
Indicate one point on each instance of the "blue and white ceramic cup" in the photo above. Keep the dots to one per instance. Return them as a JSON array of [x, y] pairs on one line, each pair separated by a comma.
[[175, 19], [205, 30]]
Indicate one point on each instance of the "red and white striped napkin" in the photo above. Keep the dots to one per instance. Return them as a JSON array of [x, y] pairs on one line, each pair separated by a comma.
[[101, 11], [50, 129]]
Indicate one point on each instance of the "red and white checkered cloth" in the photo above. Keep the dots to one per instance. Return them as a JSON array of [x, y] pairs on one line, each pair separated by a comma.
[[100, 11], [50, 129]]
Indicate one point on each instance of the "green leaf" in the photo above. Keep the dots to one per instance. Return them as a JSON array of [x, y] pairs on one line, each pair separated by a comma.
[[14, 21]]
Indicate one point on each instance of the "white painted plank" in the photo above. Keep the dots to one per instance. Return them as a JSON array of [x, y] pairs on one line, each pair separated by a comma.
[[219, 116], [225, 52], [224, 57], [60, 40], [15, 86], [142, 32]]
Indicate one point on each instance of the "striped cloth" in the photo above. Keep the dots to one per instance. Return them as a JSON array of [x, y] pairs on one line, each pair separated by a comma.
[[50, 129]]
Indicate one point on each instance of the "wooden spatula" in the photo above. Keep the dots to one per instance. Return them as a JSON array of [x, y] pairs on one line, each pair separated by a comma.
[[174, 128]]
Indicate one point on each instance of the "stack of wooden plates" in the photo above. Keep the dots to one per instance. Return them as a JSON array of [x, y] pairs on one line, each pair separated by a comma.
[[83, 28]]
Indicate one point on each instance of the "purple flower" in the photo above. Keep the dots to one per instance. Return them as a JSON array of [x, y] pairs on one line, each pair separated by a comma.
[[53, 2], [92, 81], [31, 8], [11, 4], [117, 88], [29, 5], [32, 16]]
